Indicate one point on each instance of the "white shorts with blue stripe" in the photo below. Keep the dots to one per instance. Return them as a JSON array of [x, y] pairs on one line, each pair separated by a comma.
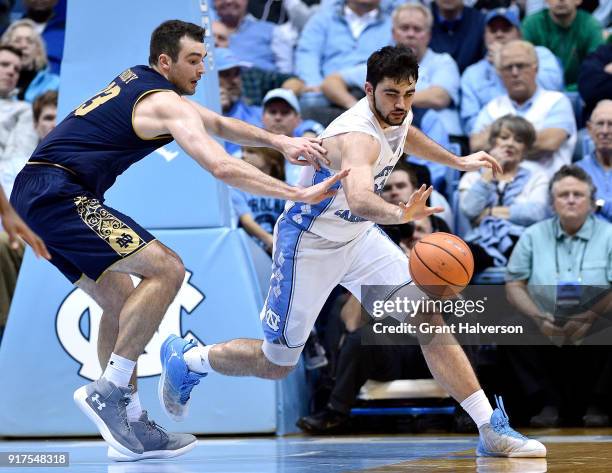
[[306, 268]]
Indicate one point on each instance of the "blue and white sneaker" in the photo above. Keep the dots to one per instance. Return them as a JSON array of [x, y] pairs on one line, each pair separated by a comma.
[[498, 439], [176, 381]]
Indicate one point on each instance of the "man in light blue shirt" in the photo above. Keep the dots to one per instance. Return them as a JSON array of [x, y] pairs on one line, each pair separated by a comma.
[[480, 82], [336, 39], [438, 83], [599, 164], [250, 39], [557, 266]]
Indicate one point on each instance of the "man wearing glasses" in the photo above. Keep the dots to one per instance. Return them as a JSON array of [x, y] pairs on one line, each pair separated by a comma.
[[549, 112]]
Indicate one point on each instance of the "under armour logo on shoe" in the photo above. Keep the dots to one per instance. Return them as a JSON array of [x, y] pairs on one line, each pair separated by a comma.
[[96, 398]]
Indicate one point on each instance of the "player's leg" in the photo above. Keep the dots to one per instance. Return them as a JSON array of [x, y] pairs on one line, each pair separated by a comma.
[[382, 263], [111, 293], [162, 274], [305, 270]]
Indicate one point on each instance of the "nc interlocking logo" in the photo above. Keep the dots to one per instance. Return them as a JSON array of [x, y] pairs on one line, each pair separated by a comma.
[[84, 349]]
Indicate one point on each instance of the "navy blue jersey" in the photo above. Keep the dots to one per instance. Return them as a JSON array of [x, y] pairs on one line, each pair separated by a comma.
[[97, 141]]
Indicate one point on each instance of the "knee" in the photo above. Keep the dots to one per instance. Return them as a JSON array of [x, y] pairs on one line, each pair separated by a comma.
[[274, 371], [173, 272]]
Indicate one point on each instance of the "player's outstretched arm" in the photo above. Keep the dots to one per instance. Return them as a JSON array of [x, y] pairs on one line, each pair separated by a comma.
[[419, 144], [175, 115], [245, 134], [16, 228], [359, 153]]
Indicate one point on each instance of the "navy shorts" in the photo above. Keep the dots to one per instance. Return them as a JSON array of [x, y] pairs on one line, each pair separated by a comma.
[[83, 235]]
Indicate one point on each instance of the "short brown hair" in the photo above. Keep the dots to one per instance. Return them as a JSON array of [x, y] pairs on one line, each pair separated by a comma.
[[42, 101], [575, 171], [11, 49], [166, 37], [274, 158], [522, 129]]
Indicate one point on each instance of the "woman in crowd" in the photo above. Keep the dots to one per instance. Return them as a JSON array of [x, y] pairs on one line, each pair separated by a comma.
[[35, 77], [500, 208]]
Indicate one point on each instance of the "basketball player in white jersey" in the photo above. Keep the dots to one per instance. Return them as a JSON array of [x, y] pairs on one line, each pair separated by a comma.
[[317, 247]]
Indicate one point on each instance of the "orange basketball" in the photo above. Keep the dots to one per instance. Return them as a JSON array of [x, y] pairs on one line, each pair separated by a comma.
[[441, 264]]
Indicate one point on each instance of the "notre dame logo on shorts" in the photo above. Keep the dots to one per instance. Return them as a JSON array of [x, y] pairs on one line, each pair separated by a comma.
[[117, 234]]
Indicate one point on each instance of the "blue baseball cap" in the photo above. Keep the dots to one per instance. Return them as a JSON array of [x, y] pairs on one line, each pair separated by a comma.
[[282, 94], [509, 14], [226, 59]]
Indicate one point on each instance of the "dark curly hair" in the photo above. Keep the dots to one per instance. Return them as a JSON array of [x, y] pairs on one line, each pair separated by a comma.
[[398, 63]]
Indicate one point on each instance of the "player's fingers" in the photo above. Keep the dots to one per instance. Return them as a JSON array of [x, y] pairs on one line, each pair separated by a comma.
[[337, 177], [321, 153], [13, 237], [36, 243], [314, 139], [309, 159], [435, 210]]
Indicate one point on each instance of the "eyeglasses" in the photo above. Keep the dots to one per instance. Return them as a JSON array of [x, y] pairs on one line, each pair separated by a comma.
[[601, 124], [520, 67]]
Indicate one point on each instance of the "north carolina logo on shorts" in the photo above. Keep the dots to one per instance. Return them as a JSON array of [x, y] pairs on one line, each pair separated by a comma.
[[79, 308], [272, 319]]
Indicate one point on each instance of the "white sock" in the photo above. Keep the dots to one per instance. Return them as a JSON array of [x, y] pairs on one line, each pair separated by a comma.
[[134, 409], [119, 370], [197, 359], [478, 407]]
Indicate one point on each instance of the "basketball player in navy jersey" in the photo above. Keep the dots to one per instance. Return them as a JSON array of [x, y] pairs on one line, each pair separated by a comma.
[[60, 195]]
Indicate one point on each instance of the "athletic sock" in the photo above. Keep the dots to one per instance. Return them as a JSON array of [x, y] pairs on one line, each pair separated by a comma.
[[478, 407], [134, 409], [197, 359], [119, 370]]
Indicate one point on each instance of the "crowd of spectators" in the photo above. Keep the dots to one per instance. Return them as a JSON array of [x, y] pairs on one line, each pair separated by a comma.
[[529, 81]]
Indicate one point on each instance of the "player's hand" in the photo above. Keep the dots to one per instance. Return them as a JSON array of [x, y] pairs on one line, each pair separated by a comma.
[[307, 147], [16, 229], [481, 159], [416, 208], [321, 191]]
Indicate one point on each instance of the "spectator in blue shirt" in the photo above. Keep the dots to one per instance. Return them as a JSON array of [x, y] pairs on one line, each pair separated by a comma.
[[438, 83], [232, 101], [281, 115], [457, 31], [336, 39], [258, 214], [480, 82], [501, 207], [559, 277], [599, 164], [249, 38]]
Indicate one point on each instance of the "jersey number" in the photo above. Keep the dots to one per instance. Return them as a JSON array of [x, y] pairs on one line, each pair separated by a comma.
[[104, 96]]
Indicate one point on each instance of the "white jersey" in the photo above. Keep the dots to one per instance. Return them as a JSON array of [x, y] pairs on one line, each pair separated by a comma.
[[332, 219]]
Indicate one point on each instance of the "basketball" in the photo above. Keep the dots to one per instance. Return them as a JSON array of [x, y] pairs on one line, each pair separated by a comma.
[[441, 264]]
